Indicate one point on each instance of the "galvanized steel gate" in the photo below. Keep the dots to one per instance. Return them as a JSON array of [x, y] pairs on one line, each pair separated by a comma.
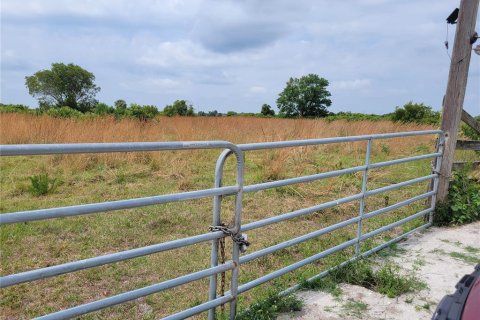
[[234, 231]]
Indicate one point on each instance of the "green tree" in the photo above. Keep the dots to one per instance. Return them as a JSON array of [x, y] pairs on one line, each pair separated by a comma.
[[64, 85], [267, 110], [179, 108], [415, 112], [305, 97], [103, 108], [120, 104]]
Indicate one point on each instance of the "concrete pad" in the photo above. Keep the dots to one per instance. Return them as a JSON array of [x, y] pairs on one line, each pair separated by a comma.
[[438, 256]]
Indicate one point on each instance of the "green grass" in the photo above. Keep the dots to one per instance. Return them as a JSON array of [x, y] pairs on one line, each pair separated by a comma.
[[464, 257], [471, 249], [386, 278], [90, 179]]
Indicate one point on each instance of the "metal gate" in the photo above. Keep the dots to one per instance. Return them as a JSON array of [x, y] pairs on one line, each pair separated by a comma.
[[218, 231]]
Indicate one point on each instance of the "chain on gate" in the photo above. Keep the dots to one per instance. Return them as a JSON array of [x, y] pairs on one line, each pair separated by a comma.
[[221, 242], [238, 238]]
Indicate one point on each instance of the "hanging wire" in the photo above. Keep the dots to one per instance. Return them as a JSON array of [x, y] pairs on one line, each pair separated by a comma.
[[448, 53], [446, 44]]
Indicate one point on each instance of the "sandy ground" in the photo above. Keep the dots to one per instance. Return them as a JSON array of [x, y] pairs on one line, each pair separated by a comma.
[[438, 256]]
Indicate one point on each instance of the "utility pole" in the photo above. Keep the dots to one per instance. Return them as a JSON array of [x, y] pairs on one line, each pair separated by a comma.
[[457, 83]]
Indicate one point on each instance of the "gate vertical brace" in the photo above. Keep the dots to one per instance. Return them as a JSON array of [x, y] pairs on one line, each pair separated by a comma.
[[456, 86], [216, 220], [362, 200], [436, 169], [237, 229]]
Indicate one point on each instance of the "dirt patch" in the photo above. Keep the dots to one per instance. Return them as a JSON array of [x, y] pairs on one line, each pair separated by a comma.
[[438, 256]]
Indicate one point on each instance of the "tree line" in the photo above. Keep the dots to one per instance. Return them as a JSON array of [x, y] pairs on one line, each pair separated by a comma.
[[68, 90]]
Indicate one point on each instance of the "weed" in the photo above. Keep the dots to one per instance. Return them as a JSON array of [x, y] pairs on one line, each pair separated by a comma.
[[392, 251], [327, 284], [438, 251], [417, 263], [358, 273], [390, 282], [471, 249], [387, 280], [385, 148], [457, 243], [41, 184], [354, 308], [328, 308], [463, 202], [422, 148], [270, 307], [425, 306], [464, 257], [120, 178]]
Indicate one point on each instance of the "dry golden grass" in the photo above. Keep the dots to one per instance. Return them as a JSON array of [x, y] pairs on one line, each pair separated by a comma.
[[19, 128], [103, 177]]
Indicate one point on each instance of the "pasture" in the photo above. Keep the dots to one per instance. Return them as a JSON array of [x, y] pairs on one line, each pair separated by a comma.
[[81, 179]]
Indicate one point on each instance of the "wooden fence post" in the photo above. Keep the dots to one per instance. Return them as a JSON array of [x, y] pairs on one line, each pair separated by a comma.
[[457, 83]]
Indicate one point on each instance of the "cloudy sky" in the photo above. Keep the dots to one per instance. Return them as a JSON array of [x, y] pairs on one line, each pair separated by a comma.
[[237, 55]]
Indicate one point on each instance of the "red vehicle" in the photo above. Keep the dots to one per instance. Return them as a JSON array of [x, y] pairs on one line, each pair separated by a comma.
[[464, 304]]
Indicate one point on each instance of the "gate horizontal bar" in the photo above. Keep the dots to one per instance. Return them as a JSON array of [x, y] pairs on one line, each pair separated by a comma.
[[303, 179], [252, 284], [394, 240], [135, 294], [200, 308], [400, 184], [309, 142], [331, 174], [70, 148], [69, 211], [298, 213], [317, 233], [353, 259], [395, 224], [27, 276], [249, 285], [398, 205], [47, 272], [291, 242], [403, 160]]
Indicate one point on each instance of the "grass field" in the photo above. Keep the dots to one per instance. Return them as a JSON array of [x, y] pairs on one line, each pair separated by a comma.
[[92, 178]]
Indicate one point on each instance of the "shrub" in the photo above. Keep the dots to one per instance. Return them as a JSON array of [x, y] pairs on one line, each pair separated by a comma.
[[41, 184], [14, 108], [267, 110], [354, 116], [469, 132], [64, 112], [179, 108], [143, 113], [103, 108], [463, 201], [416, 112]]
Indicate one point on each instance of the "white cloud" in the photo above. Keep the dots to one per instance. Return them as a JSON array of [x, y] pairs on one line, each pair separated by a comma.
[[257, 89], [224, 54], [352, 84]]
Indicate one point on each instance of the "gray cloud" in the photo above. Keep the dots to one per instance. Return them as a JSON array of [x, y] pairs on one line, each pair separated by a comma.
[[377, 54]]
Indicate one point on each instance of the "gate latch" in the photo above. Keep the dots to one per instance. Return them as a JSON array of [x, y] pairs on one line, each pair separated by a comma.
[[239, 238]]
